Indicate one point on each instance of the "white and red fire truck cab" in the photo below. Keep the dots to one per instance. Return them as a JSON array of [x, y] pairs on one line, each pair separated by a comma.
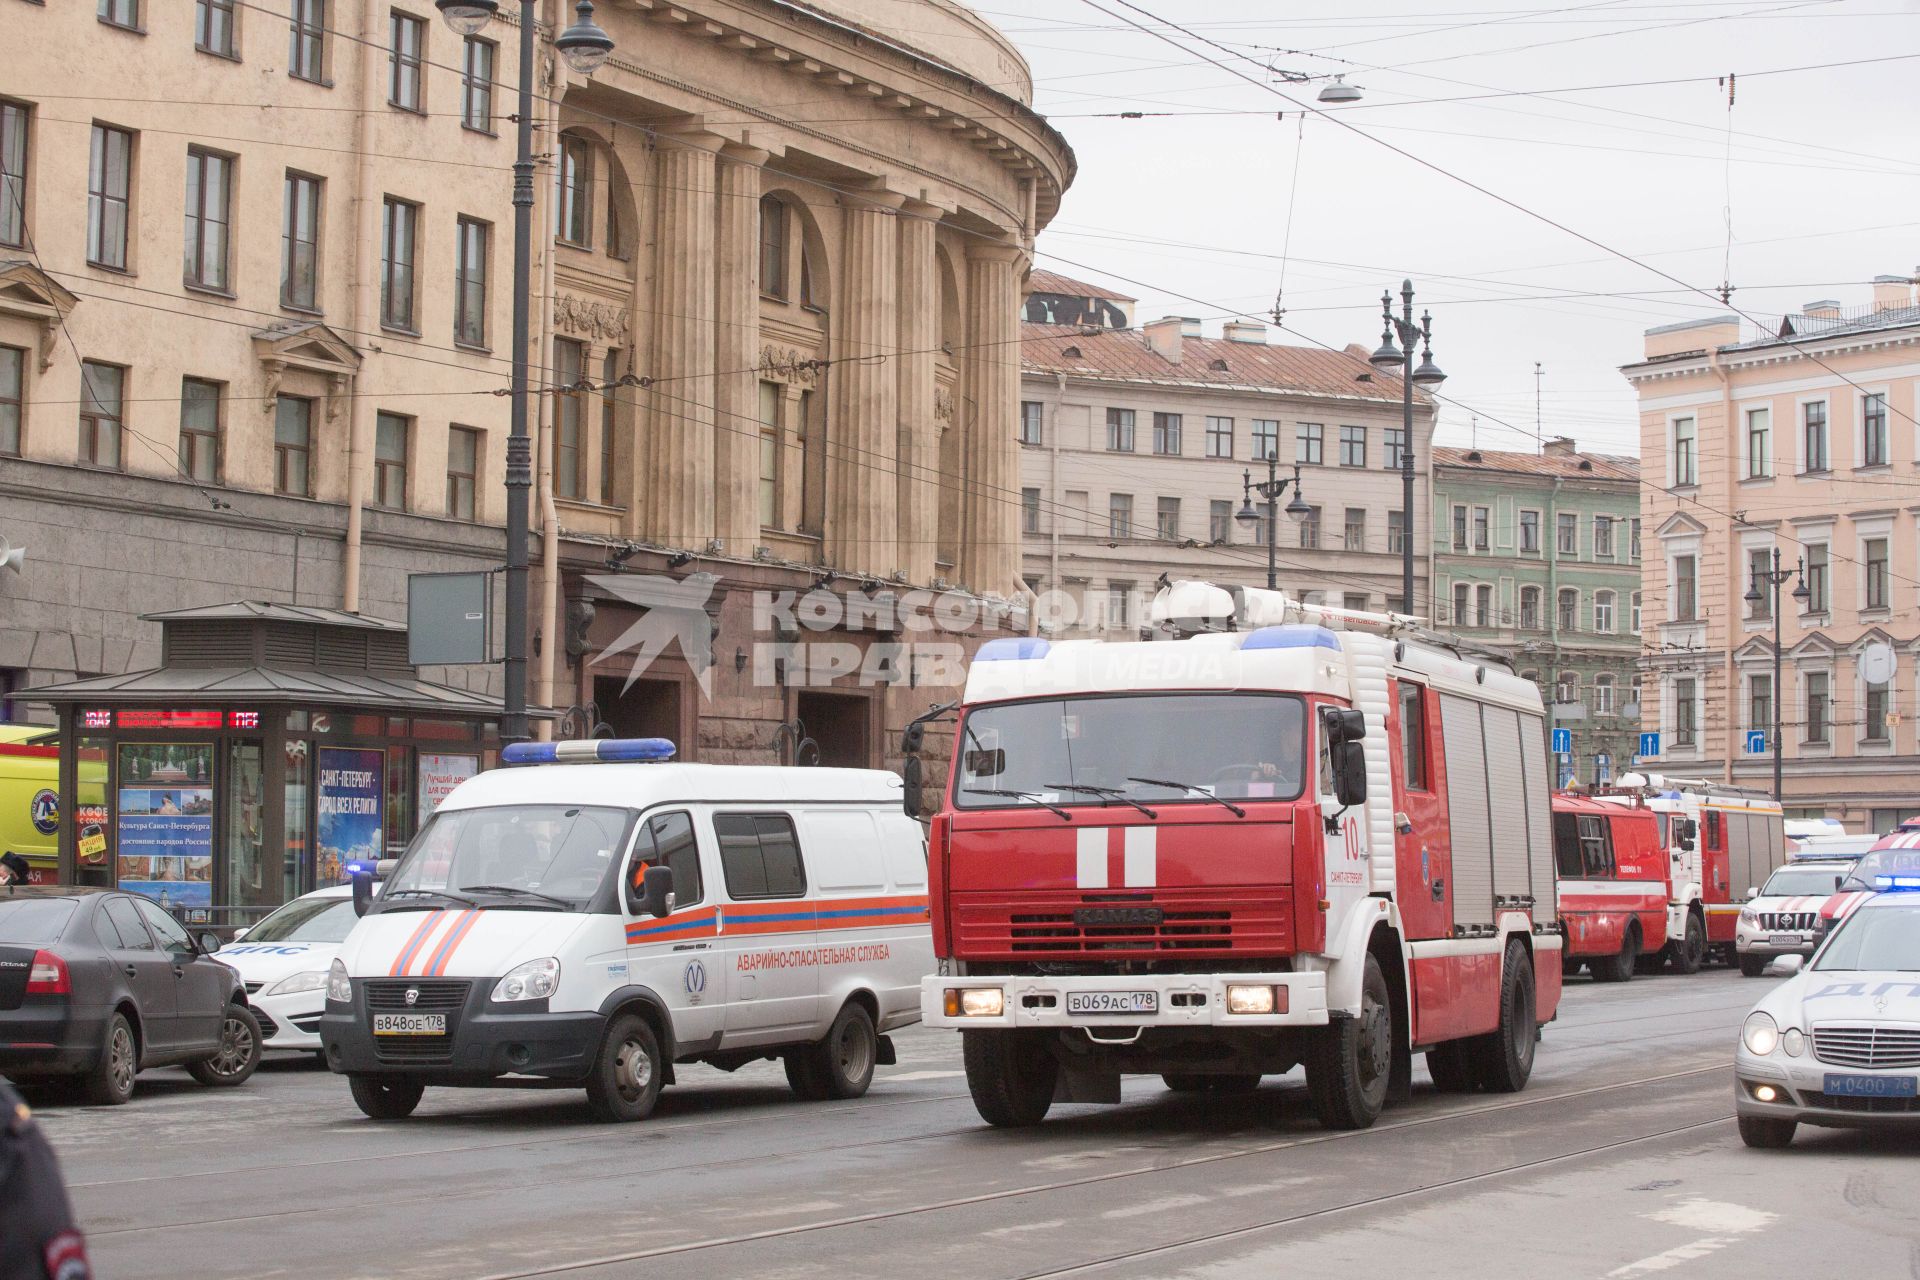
[[1613, 885], [1285, 836]]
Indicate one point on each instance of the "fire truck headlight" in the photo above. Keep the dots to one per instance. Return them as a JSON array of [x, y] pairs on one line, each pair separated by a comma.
[[975, 1002], [1249, 999], [1760, 1035], [1793, 1042]]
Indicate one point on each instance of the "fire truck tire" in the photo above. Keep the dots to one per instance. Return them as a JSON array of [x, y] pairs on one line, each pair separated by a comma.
[[1618, 967], [1766, 1133], [1451, 1066], [1010, 1075], [1503, 1061], [1753, 966], [1211, 1084], [840, 1066], [1351, 1062], [1687, 953]]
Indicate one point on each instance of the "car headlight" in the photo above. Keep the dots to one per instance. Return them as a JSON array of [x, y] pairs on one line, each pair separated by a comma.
[[339, 990], [311, 980], [1793, 1041], [1760, 1035], [1748, 915], [534, 980]]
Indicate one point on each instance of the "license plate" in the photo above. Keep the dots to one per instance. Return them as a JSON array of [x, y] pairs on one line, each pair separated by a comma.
[[409, 1024], [1113, 1002], [1851, 1086], [1786, 940]]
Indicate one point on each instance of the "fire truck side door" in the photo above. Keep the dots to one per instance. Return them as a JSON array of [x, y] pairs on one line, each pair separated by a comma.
[[1422, 853]]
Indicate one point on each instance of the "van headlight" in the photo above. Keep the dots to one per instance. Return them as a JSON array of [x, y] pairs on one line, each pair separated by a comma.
[[311, 980], [1760, 1035], [534, 980], [339, 989]]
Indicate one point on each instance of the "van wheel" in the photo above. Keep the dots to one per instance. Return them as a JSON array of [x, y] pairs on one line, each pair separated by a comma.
[[239, 1052], [1753, 966], [627, 1074], [110, 1082], [386, 1097], [1766, 1133], [1619, 966], [1010, 1075], [1451, 1066], [840, 1066], [1350, 1062], [1686, 954], [1503, 1060]]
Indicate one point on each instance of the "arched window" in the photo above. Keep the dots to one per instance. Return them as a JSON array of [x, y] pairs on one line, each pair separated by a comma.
[[773, 247], [573, 194], [1461, 594], [1569, 613], [1483, 605], [1603, 612]]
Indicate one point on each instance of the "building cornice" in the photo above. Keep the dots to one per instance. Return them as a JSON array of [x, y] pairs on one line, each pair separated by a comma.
[[1184, 386]]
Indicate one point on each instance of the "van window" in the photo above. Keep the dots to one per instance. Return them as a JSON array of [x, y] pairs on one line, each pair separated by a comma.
[[1413, 736], [1582, 846], [1566, 846], [1596, 846], [760, 855], [668, 842]]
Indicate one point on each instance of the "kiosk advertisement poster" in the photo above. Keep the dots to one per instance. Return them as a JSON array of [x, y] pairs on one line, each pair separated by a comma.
[[163, 832], [439, 775], [351, 795]]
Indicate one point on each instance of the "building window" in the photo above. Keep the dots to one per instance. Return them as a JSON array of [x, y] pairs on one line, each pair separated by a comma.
[[1816, 576], [1529, 608], [1266, 439], [1873, 430], [13, 398], [1685, 588], [1120, 430], [1633, 540], [1353, 446], [1120, 515], [1459, 527], [1813, 436], [1462, 595], [1396, 448], [569, 461], [120, 13], [1685, 727], [209, 190], [808, 302], [1166, 433], [1219, 521], [1603, 602], [1483, 605], [213, 27], [13, 172], [1396, 531], [1875, 728], [1481, 520], [1219, 437], [463, 471], [773, 250], [1530, 533], [1686, 469], [306, 54], [1167, 519], [1119, 603], [293, 446], [398, 235], [1356, 529], [1603, 695], [609, 421], [1309, 439], [109, 196], [1603, 537], [405, 38], [300, 243], [1876, 558], [1030, 422], [573, 199], [1760, 703], [1636, 618], [102, 403], [390, 432], [1566, 688], [1569, 609], [1355, 600], [1819, 707], [1309, 529], [1567, 534], [1759, 444], [200, 430], [1759, 564], [770, 458], [476, 84], [470, 282], [1029, 511]]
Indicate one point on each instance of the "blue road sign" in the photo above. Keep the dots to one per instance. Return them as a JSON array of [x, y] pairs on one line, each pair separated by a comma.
[[1756, 742], [1649, 744], [1562, 742]]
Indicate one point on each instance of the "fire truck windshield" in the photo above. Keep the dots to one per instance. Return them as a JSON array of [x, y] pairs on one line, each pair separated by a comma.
[[1066, 751]]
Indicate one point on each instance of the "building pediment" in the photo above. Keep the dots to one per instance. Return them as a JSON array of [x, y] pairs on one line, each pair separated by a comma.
[[1680, 525], [1815, 645], [1758, 649], [1874, 635], [30, 293], [310, 347]]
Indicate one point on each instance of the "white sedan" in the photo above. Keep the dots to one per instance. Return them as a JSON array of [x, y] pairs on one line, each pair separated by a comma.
[[283, 960], [1838, 1044]]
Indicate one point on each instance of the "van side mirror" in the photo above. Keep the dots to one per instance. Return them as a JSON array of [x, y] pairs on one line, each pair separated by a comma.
[[362, 890], [911, 773], [1350, 773], [656, 891]]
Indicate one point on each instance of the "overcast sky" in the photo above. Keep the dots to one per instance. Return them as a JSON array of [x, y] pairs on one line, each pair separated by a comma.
[[1824, 176]]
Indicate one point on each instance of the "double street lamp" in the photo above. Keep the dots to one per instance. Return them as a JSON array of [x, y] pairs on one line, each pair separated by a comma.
[[1270, 489], [585, 47], [1388, 359], [1774, 577]]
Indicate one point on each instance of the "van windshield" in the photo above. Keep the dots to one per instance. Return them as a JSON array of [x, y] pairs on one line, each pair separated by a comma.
[[1151, 748], [534, 856]]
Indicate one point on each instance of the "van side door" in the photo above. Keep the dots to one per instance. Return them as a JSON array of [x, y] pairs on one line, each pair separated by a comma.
[[677, 957], [767, 935]]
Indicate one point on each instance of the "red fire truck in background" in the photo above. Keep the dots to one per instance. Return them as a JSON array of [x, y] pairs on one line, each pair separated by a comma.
[[1614, 885], [1283, 836]]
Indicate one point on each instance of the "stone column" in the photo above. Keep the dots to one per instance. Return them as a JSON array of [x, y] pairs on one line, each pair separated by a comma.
[[679, 478], [918, 451], [990, 394], [736, 397], [862, 503]]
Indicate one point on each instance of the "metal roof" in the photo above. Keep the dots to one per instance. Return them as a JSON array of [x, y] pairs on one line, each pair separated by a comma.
[[1794, 329], [1039, 281], [271, 611], [361, 690], [1602, 466], [1212, 363]]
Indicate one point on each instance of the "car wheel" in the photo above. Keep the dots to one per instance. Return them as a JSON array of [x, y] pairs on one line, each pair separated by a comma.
[[1688, 953], [110, 1082], [627, 1075], [386, 1097], [1753, 966], [238, 1055], [1766, 1132]]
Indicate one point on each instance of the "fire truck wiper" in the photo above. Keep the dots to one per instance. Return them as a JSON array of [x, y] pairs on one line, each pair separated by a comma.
[[1020, 795], [1112, 793], [1192, 790]]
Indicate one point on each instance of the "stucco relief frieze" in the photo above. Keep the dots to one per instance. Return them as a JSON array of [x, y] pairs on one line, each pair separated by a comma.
[[585, 318], [787, 364]]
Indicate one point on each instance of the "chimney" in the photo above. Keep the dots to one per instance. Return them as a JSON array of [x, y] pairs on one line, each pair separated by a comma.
[[1246, 331], [1825, 309], [1164, 335], [1560, 447], [1190, 327], [1892, 293]]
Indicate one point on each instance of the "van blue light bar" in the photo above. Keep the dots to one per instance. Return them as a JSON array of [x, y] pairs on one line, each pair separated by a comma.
[[588, 751]]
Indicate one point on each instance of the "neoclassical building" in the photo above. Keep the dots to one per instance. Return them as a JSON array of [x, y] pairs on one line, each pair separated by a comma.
[[255, 289]]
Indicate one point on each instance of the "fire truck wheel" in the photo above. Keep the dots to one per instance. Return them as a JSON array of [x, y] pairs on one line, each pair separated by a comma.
[[1752, 966], [1010, 1075], [841, 1064], [1451, 1066], [1211, 1084], [1766, 1132], [625, 1079], [1350, 1063], [1504, 1059], [1687, 954], [1619, 966]]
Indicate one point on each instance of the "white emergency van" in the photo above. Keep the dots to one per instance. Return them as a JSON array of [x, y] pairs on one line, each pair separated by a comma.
[[595, 915]]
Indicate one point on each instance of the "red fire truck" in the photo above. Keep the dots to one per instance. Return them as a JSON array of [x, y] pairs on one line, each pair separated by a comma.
[[1282, 836], [1614, 885]]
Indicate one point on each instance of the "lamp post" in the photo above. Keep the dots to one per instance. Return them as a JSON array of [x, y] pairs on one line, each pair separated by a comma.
[[1270, 489], [1773, 578], [584, 46], [1400, 358]]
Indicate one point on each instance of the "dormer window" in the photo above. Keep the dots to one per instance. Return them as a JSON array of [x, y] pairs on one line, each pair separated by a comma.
[[1217, 364], [1072, 353]]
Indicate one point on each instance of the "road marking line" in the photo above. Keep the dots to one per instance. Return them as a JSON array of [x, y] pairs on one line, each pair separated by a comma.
[[1165, 1204], [1727, 1222]]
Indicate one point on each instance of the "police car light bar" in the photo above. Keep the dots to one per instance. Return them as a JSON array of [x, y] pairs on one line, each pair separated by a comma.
[[1897, 884], [588, 751]]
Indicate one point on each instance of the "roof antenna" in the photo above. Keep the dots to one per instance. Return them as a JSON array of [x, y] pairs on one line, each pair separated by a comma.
[[1726, 209], [1539, 437], [1286, 238], [1473, 431]]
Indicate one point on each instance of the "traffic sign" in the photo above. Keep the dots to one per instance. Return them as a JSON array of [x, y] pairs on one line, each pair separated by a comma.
[[1649, 744], [1756, 742], [1562, 742]]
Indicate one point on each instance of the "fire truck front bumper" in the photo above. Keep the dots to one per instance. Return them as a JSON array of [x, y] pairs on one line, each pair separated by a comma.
[[1146, 1000]]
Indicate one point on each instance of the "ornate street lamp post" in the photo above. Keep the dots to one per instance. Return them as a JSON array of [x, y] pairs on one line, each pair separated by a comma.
[[1391, 358], [1270, 489]]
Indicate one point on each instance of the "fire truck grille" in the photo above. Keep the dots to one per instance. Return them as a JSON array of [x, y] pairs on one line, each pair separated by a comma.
[[1872, 1047], [1789, 921], [1163, 927]]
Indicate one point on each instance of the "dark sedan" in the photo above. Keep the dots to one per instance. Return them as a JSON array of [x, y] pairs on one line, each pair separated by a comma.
[[97, 985]]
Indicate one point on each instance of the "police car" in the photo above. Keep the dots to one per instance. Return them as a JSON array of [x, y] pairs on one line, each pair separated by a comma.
[[1783, 917], [602, 915], [284, 960], [1838, 1044]]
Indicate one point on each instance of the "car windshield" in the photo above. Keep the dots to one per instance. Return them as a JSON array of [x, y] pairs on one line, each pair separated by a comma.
[[1877, 937], [34, 922], [1792, 882], [307, 920], [1154, 748], [543, 856]]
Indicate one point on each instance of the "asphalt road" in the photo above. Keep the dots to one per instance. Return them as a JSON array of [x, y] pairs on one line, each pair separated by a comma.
[[1619, 1160]]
